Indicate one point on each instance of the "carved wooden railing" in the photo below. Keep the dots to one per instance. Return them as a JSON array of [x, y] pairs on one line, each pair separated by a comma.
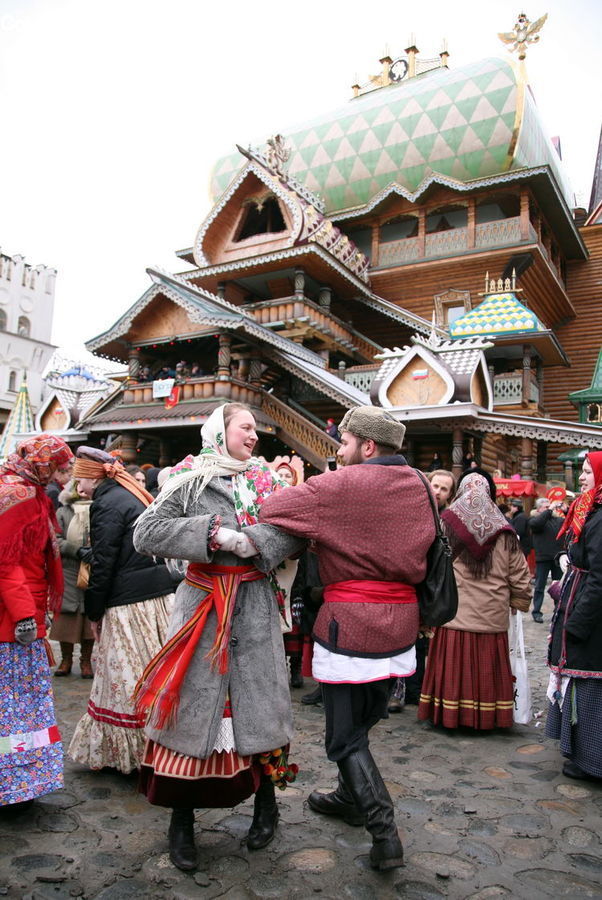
[[306, 439], [205, 388], [442, 243], [306, 312], [508, 390]]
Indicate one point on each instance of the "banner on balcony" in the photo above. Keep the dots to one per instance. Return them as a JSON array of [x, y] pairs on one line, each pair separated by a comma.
[[162, 388], [174, 397]]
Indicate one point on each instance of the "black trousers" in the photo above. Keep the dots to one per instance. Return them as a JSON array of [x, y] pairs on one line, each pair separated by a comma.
[[351, 710]]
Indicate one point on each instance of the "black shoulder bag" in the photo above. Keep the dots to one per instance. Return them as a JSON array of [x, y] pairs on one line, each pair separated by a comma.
[[438, 593]]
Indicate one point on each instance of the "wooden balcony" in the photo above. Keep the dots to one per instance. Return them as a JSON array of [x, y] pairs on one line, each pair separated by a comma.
[[204, 388], [299, 318], [501, 233]]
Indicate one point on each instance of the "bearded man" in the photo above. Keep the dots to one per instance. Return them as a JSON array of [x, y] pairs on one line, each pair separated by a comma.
[[371, 525]]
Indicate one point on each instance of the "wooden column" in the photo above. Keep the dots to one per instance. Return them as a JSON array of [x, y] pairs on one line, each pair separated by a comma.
[[569, 478], [539, 374], [223, 385], [221, 290], [421, 233], [374, 253], [255, 371], [133, 363], [526, 388], [164, 453], [524, 213], [325, 297], [457, 452], [299, 292], [526, 458], [471, 223], [129, 440]]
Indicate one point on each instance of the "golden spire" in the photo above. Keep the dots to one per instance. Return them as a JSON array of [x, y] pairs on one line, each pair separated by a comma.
[[525, 33]]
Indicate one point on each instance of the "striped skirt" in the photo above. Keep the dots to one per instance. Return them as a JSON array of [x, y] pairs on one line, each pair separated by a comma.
[[578, 725], [223, 779], [31, 752], [468, 681]]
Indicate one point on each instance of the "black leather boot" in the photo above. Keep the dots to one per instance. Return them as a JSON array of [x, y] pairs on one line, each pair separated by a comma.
[[338, 803], [296, 676], [265, 815], [362, 777], [182, 849]]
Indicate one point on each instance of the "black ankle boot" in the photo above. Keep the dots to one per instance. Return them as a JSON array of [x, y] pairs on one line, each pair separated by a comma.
[[182, 849], [265, 815], [296, 676], [339, 803], [362, 777]]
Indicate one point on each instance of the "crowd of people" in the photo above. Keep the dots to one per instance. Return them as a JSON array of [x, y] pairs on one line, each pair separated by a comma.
[[199, 584]]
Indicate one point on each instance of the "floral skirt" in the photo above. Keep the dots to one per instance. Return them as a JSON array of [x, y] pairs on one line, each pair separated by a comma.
[[468, 681], [31, 752], [110, 733]]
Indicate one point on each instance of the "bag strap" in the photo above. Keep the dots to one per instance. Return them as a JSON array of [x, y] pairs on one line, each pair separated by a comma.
[[432, 502]]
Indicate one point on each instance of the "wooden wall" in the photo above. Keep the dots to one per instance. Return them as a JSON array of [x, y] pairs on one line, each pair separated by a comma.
[[582, 336]]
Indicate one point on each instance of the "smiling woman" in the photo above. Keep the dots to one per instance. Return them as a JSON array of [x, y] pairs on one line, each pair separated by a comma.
[[216, 698]]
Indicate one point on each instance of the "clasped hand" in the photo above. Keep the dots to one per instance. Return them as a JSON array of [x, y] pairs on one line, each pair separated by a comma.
[[235, 542]]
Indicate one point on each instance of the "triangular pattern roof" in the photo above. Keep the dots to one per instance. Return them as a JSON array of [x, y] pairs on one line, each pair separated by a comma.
[[466, 123], [20, 421], [499, 313]]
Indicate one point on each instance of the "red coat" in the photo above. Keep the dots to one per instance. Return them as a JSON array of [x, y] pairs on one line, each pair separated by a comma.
[[23, 592], [369, 522]]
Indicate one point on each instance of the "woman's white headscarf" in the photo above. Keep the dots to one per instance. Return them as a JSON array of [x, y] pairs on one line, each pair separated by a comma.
[[252, 482]]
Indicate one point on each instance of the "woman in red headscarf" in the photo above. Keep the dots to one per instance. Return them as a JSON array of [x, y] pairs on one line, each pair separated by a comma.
[[31, 585], [575, 650]]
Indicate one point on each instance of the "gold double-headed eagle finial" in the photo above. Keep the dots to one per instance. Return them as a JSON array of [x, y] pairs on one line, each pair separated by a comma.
[[525, 33]]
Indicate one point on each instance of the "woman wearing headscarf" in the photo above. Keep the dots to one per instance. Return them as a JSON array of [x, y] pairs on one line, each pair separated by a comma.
[[72, 626], [128, 600], [293, 639], [575, 650], [468, 680], [217, 698], [31, 586]]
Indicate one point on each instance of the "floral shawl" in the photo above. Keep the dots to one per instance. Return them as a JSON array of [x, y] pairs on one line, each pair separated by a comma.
[[252, 482], [473, 524]]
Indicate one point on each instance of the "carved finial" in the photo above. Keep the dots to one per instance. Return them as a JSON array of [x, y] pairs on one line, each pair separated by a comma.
[[277, 154], [525, 33]]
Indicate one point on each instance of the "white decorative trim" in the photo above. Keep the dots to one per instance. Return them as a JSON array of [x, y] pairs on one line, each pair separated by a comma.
[[273, 183], [274, 256]]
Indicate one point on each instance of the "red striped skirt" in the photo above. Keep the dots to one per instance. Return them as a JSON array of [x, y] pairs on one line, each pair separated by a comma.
[[468, 681]]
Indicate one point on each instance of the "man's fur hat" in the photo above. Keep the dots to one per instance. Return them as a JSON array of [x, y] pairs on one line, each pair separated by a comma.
[[373, 423]]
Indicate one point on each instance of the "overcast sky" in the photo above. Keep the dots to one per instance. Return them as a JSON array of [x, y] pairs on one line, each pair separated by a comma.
[[113, 113]]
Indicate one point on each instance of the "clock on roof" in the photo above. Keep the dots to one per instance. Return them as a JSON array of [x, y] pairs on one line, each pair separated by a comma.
[[398, 69]]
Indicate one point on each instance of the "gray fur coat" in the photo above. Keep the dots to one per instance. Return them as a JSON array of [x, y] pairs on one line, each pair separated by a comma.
[[257, 679]]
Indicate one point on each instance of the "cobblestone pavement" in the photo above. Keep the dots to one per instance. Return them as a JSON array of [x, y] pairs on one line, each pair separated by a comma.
[[480, 815]]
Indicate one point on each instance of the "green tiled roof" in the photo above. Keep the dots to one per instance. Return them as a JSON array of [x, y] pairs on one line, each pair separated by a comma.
[[594, 391], [497, 314], [459, 123]]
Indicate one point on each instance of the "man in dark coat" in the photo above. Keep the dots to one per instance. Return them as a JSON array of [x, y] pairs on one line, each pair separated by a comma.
[[544, 530], [372, 525], [520, 522]]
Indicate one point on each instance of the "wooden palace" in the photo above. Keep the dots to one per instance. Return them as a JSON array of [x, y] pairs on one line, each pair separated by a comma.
[[417, 249]]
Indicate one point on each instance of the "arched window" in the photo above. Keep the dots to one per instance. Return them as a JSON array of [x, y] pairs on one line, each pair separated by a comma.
[[2, 320], [262, 216], [12, 381], [23, 326]]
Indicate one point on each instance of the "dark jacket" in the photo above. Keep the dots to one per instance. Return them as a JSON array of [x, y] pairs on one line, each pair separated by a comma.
[[544, 530], [520, 523], [584, 622], [119, 575]]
